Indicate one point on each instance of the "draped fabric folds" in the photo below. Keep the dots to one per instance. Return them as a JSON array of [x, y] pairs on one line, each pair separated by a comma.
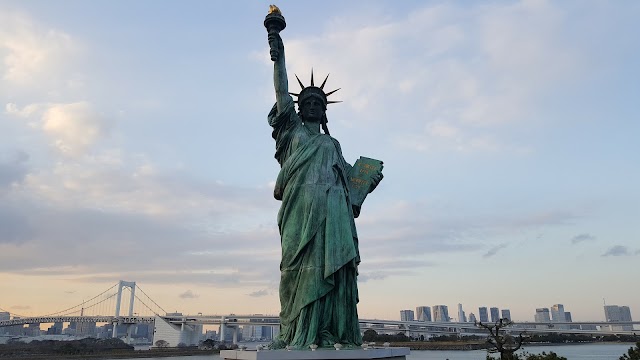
[[318, 284]]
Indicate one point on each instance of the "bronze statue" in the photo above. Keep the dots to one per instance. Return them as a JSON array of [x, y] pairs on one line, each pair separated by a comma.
[[321, 194]]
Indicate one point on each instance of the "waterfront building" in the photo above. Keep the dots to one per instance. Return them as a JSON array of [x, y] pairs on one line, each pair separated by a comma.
[[441, 313], [15, 330], [406, 315], [423, 313], [86, 329], [506, 314], [557, 313], [495, 314], [542, 316], [615, 313], [33, 330], [472, 318], [4, 315], [461, 315], [56, 329], [175, 334], [483, 314], [567, 316]]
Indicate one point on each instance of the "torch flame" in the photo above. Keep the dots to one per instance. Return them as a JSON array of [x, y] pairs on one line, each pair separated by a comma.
[[274, 9]]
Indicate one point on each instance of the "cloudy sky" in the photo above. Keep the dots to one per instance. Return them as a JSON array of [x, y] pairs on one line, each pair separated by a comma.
[[135, 146]]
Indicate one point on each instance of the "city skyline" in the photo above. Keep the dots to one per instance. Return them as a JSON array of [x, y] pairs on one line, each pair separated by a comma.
[[555, 313], [136, 147]]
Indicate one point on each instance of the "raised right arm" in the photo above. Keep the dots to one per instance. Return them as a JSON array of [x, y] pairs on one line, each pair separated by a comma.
[[280, 80]]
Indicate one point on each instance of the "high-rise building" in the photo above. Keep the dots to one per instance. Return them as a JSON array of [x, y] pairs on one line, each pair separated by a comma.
[[441, 313], [495, 314], [483, 314], [33, 330], [4, 315], [406, 315], [423, 313], [558, 315], [615, 313], [472, 318], [461, 315], [542, 316], [506, 314], [56, 329], [567, 316]]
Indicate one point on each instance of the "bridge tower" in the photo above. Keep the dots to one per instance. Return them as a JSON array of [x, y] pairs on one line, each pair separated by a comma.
[[131, 285]]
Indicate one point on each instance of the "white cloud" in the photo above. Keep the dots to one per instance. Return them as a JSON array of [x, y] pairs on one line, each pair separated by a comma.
[[74, 127], [446, 74], [32, 55], [188, 295]]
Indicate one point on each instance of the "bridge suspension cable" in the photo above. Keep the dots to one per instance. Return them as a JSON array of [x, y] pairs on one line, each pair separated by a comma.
[[147, 306], [66, 311], [14, 314]]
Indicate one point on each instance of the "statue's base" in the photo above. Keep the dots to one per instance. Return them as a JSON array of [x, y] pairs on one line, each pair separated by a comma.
[[388, 353]]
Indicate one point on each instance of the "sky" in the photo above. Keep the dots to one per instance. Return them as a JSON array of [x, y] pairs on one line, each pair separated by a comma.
[[135, 146]]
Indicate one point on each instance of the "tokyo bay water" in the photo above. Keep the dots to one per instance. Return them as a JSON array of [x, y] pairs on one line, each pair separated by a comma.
[[571, 352]]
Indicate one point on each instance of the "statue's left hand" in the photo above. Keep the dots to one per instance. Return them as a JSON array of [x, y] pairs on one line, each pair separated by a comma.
[[375, 181]]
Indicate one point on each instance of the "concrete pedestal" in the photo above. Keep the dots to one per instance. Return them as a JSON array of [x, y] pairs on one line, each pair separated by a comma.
[[390, 353]]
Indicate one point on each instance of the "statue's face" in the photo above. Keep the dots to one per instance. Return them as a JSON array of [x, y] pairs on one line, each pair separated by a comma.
[[312, 110]]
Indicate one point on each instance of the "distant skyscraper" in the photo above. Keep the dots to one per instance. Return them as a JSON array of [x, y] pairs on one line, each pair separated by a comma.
[[56, 329], [406, 315], [423, 313], [441, 313], [472, 318], [484, 315], [567, 316], [615, 313], [557, 315], [4, 316], [542, 316], [461, 316], [506, 314], [495, 314]]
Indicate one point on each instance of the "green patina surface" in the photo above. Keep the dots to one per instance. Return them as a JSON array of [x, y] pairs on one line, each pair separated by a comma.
[[318, 284]]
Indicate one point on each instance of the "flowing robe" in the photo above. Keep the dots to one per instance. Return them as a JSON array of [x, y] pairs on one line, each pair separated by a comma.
[[318, 288]]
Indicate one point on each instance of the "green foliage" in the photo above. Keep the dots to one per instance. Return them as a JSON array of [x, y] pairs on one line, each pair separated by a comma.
[[632, 353], [527, 356], [544, 356], [85, 346], [371, 335], [162, 344]]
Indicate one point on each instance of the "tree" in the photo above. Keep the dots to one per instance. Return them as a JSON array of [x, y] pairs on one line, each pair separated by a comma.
[[632, 353], [162, 344], [544, 356], [369, 335], [501, 341], [208, 344]]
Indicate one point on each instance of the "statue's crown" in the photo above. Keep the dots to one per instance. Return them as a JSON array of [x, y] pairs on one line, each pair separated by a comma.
[[313, 91]]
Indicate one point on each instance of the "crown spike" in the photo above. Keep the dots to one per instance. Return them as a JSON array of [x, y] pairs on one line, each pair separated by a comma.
[[331, 92], [294, 94], [312, 77], [324, 82], [333, 102], [299, 82]]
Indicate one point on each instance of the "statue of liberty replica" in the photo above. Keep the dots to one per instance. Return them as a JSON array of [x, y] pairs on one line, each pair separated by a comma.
[[321, 194]]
